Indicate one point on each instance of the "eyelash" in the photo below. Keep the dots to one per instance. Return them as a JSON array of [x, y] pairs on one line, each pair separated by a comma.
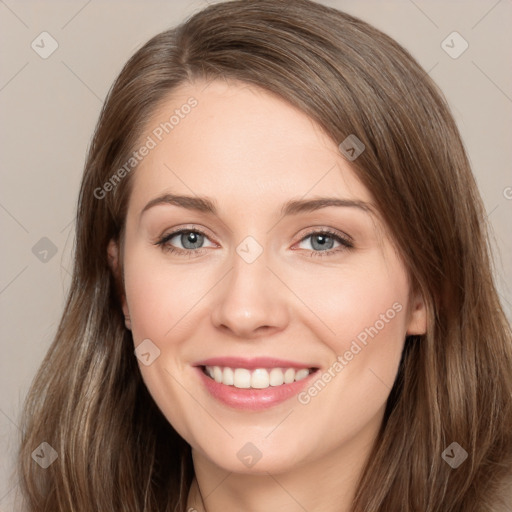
[[166, 247]]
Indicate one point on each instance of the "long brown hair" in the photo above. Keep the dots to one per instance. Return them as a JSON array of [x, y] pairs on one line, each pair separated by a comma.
[[115, 449]]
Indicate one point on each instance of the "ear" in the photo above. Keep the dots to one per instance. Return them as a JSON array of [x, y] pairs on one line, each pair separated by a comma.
[[417, 315], [113, 263]]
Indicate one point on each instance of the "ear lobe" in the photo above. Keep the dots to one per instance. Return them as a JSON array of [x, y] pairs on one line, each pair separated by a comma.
[[113, 263], [417, 316]]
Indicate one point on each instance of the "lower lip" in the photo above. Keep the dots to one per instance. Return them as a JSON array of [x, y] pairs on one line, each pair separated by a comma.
[[253, 399]]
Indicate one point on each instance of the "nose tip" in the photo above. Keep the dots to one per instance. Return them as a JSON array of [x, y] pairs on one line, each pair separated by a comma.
[[249, 302]]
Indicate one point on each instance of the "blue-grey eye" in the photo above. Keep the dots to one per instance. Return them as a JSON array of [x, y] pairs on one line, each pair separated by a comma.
[[320, 241], [190, 239]]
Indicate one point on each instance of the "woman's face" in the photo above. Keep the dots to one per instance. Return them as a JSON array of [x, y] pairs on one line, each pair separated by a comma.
[[298, 310]]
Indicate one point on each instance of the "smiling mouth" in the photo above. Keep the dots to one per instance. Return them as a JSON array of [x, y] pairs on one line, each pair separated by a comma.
[[259, 378]]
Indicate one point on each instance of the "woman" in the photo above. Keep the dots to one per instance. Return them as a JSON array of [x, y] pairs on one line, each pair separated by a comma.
[[331, 339]]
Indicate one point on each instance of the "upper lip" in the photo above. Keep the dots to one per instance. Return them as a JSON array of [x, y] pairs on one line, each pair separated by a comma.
[[252, 363]]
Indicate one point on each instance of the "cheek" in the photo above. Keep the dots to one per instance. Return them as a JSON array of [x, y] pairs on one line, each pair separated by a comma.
[[372, 307], [159, 295], [369, 295], [364, 309]]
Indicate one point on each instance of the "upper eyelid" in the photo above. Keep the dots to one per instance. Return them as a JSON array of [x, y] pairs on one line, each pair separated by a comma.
[[179, 231]]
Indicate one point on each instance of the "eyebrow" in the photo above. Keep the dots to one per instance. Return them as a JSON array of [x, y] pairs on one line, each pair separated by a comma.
[[292, 207]]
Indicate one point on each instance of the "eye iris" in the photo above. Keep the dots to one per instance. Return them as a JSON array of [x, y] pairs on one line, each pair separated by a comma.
[[322, 240], [193, 238]]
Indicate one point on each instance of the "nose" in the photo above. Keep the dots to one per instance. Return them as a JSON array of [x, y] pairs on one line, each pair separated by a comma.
[[250, 301]]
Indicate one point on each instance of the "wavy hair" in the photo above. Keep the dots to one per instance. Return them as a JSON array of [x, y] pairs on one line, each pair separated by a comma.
[[116, 451]]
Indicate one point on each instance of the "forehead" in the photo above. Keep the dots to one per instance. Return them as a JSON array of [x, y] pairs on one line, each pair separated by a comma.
[[230, 139]]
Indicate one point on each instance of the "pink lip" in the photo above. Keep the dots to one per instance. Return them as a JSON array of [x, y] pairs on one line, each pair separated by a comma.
[[253, 363], [252, 399]]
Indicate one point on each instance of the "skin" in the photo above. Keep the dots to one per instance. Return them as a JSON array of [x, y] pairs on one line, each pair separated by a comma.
[[251, 152]]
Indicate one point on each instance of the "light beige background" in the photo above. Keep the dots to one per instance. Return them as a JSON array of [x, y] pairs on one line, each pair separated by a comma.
[[50, 107]]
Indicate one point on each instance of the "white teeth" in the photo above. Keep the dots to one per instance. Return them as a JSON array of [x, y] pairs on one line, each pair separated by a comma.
[[228, 376], [260, 378], [276, 377], [242, 378], [289, 375], [217, 374], [301, 374]]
